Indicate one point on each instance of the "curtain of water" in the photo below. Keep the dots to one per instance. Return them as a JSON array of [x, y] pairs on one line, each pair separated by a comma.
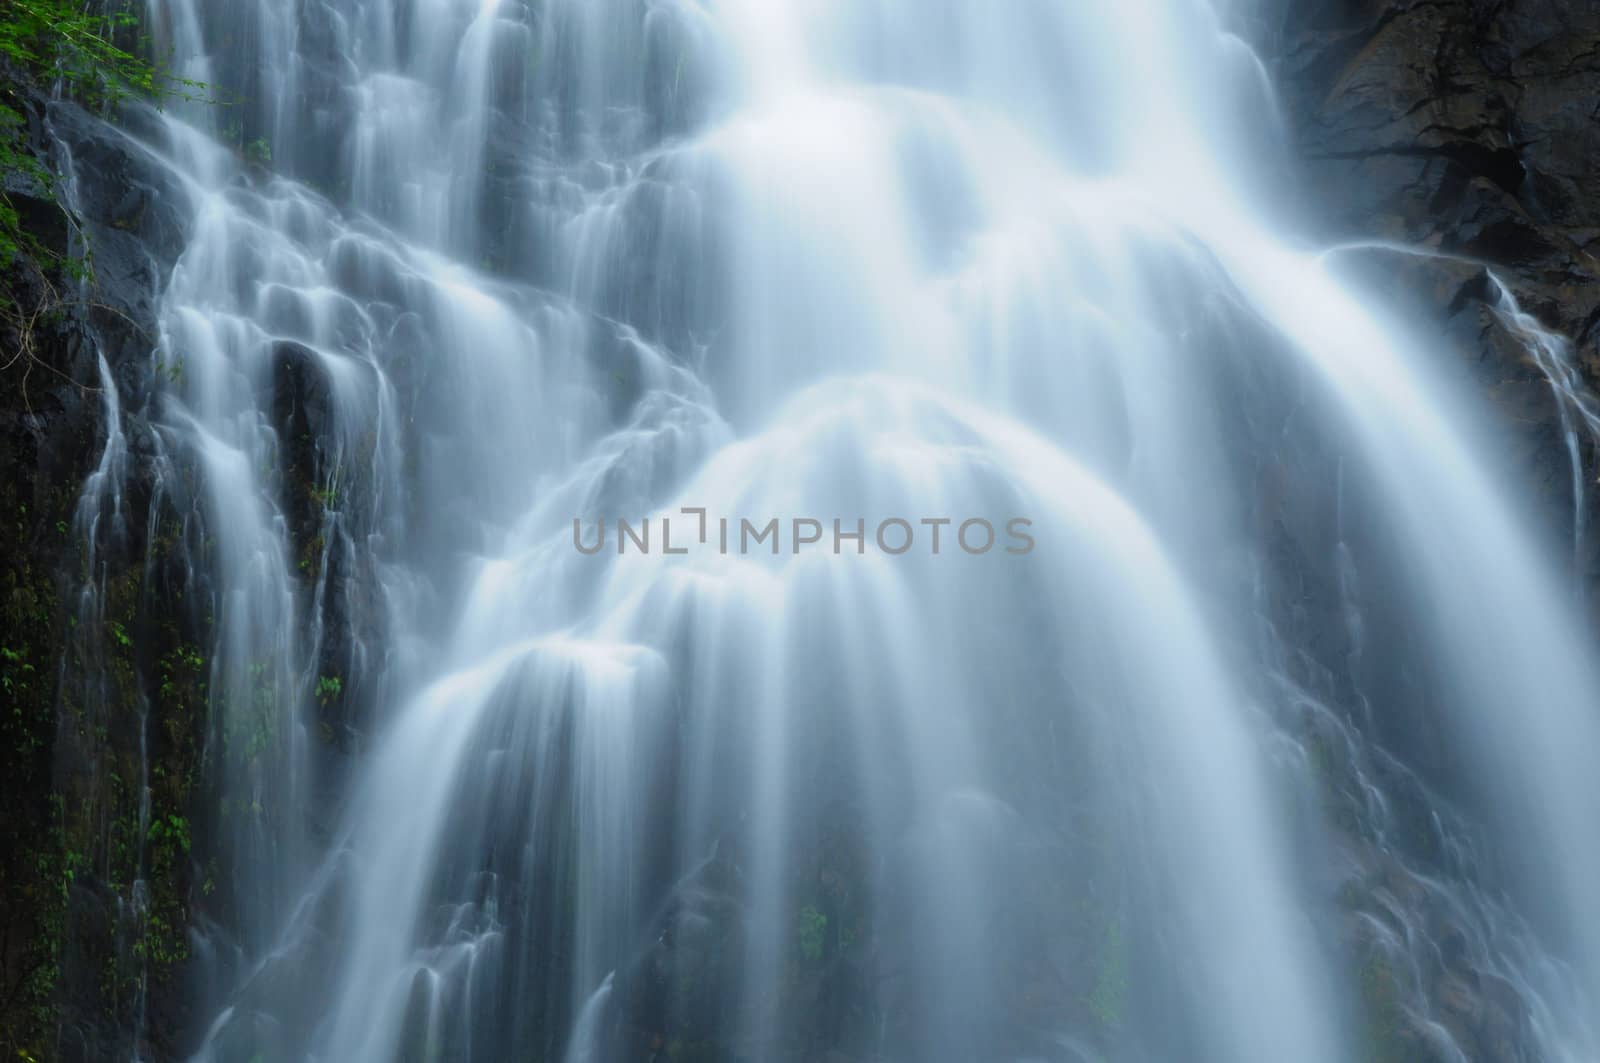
[[522, 262]]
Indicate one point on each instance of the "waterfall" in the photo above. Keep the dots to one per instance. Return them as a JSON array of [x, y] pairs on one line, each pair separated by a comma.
[[1041, 609]]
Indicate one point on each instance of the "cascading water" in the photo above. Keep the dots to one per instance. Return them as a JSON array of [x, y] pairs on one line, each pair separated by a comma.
[[477, 281]]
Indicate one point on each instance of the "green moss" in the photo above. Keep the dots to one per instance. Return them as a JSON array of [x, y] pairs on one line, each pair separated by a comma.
[[684, 1051], [1108, 1000], [72, 837], [250, 727], [811, 933], [37, 870], [259, 151]]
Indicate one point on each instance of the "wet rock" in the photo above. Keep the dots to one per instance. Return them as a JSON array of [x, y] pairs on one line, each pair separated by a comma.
[[1453, 146], [684, 984], [1460, 126], [1418, 115], [1466, 131], [95, 933], [130, 226], [1459, 300]]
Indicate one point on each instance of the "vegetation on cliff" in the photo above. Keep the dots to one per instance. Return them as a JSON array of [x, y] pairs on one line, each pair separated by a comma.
[[102, 691], [81, 52]]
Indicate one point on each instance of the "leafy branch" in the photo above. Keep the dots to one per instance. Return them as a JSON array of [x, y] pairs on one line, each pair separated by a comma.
[[86, 55], [53, 42]]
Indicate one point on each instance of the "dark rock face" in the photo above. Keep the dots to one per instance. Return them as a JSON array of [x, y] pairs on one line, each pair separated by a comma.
[[110, 847], [1468, 130], [104, 692], [1454, 147], [682, 985], [1468, 124], [50, 425]]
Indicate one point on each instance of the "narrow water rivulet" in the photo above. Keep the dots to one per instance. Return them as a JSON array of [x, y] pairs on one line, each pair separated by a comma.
[[468, 286]]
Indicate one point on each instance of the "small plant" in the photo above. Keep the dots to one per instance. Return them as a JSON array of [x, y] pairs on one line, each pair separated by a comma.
[[70, 864], [259, 151], [811, 933], [172, 371], [15, 670], [173, 831], [329, 687]]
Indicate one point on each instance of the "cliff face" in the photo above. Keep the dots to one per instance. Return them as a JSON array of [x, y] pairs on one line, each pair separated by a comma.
[[1468, 133], [1451, 150], [1467, 125], [1465, 131], [103, 675]]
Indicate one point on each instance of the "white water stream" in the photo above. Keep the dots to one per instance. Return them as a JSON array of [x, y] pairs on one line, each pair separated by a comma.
[[837, 260]]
